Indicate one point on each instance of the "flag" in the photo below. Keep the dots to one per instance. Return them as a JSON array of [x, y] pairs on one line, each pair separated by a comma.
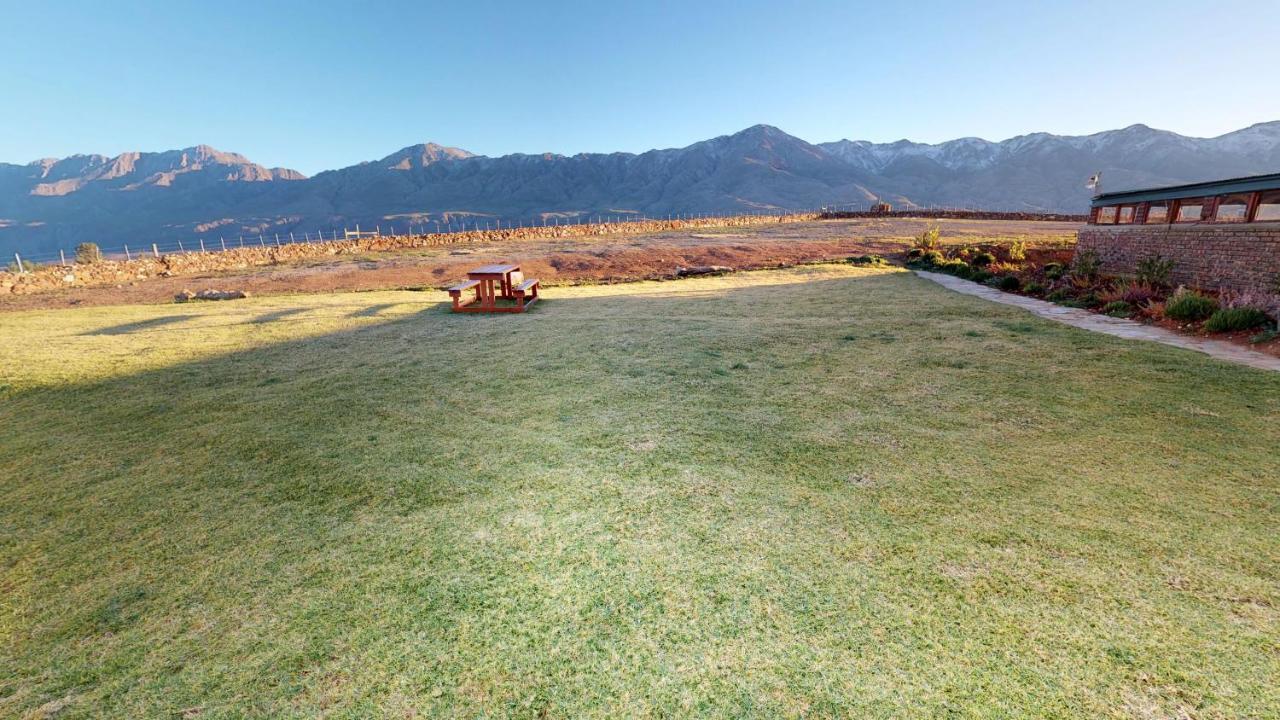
[[1094, 180]]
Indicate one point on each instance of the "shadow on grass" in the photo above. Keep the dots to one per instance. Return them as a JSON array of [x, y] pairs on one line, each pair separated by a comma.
[[140, 325]]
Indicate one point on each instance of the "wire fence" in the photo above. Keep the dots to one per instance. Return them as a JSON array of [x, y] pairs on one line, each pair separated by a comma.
[[213, 243]]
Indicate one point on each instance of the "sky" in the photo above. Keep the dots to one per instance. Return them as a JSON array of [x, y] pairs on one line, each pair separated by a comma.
[[319, 85]]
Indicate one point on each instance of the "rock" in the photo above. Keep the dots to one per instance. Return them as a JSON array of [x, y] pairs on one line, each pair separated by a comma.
[[69, 278], [703, 270], [187, 295]]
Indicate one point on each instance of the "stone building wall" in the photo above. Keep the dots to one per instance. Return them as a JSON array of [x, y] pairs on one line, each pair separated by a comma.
[[1244, 257]]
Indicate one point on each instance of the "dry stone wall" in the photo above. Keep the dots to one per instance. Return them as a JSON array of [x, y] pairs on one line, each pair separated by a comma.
[[1244, 258], [954, 215], [116, 272]]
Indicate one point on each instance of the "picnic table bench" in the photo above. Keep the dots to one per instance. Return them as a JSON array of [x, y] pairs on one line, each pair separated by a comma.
[[491, 284]]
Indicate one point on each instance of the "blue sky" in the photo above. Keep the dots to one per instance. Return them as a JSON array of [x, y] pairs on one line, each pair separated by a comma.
[[319, 85]]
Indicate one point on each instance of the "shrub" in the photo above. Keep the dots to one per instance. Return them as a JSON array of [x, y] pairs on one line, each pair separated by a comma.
[[932, 258], [1118, 308], [983, 259], [1237, 318], [980, 276], [1265, 336], [1033, 288], [1086, 265], [1054, 270], [870, 260], [1189, 305], [959, 268], [1155, 271], [88, 253], [914, 253], [1135, 293], [1009, 283], [930, 239], [1017, 251], [1058, 296]]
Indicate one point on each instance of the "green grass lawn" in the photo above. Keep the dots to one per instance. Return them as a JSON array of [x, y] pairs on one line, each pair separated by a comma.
[[814, 492]]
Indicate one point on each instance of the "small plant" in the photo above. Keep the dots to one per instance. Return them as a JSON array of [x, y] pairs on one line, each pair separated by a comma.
[[930, 239], [1155, 271], [932, 258], [982, 259], [1017, 251], [1118, 308], [1033, 288], [1059, 295], [1265, 336], [980, 276], [1135, 293], [869, 260], [1009, 283], [1086, 265], [914, 253], [1234, 319], [959, 268], [1054, 270], [1189, 306], [88, 253]]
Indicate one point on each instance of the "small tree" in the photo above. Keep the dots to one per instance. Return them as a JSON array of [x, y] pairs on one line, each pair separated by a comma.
[[930, 239], [88, 253]]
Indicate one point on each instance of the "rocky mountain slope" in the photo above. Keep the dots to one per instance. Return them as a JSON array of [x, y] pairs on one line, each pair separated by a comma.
[[141, 198]]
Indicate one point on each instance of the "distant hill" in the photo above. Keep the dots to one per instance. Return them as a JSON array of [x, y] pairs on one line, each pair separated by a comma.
[[141, 198]]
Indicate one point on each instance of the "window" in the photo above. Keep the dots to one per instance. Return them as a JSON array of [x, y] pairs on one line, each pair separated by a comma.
[[1157, 213], [1234, 208], [1106, 215], [1268, 207], [1189, 210], [1126, 214]]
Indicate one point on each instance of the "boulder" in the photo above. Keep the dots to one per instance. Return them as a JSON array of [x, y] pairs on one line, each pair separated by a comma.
[[187, 295], [703, 270]]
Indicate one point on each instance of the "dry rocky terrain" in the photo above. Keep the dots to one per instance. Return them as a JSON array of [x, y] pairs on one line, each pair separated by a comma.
[[614, 257]]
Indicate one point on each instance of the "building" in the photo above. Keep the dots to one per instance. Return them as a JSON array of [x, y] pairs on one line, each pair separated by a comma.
[[1221, 235]]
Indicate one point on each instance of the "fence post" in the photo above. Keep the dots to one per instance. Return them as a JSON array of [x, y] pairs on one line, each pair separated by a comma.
[[62, 255], [202, 250], [127, 256], [224, 243], [155, 250], [19, 260], [261, 242], [290, 237], [181, 249]]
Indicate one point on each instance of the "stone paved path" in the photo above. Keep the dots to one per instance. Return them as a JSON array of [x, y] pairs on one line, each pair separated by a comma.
[[1119, 327]]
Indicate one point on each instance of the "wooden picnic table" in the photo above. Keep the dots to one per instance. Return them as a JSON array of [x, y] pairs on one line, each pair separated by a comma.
[[494, 282]]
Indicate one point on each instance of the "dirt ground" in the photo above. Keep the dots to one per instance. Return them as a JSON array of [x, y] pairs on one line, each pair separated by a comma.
[[563, 261]]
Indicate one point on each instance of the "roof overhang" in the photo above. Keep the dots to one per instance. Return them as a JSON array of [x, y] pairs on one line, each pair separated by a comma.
[[1202, 189]]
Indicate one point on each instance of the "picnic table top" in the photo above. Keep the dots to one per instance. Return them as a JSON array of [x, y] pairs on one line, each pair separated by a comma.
[[494, 270]]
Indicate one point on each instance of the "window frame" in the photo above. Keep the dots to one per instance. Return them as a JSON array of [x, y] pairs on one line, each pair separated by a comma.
[[1176, 212], [1257, 205], [1249, 200]]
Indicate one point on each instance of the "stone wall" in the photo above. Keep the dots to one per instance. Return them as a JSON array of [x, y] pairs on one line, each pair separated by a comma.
[[116, 271], [1210, 256], [953, 215]]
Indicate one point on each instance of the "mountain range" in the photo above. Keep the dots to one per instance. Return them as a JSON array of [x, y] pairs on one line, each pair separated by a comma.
[[201, 192]]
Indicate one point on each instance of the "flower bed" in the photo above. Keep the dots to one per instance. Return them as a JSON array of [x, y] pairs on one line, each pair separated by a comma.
[[1073, 279]]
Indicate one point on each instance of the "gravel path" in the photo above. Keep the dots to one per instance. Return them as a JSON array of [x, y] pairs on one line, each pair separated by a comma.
[[1118, 327]]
